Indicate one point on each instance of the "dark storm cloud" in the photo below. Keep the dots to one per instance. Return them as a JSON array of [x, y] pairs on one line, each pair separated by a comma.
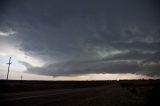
[[78, 68], [86, 36]]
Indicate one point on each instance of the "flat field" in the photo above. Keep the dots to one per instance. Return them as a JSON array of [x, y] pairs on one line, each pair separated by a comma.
[[80, 93]]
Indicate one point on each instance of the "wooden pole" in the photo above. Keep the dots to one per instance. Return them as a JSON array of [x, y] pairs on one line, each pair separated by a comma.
[[8, 67], [21, 77]]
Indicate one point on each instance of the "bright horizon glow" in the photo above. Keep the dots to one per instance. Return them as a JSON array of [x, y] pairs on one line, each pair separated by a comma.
[[15, 75], [17, 69]]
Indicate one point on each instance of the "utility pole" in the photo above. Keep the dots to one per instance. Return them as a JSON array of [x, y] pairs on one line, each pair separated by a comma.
[[21, 77], [9, 63]]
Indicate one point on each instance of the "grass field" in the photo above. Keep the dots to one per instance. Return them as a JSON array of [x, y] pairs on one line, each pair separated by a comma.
[[81, 93]]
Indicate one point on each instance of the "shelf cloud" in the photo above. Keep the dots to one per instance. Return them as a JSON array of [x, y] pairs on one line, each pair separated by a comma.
[[76, 37]]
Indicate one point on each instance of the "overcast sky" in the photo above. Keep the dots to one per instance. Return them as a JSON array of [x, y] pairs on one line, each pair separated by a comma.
[[85, 39]]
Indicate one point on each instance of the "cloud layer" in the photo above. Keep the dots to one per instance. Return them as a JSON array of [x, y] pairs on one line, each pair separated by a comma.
[[83, 37]]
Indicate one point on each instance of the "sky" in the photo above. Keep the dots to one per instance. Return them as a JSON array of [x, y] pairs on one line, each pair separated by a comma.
[[80, 39]]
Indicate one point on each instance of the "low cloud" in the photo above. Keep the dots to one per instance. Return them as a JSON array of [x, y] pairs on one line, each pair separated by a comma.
[[88, 67], [8, 33]]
